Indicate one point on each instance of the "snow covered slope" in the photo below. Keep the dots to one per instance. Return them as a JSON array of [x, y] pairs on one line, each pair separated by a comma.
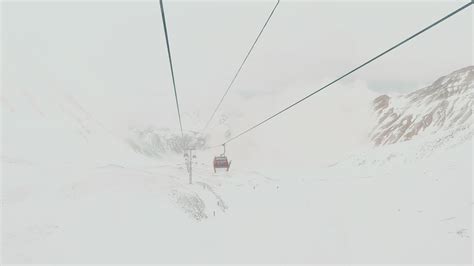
[[71, 186], [74, 191]]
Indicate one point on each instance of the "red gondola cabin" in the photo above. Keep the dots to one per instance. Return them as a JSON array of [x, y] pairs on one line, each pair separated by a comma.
[[221, 162]]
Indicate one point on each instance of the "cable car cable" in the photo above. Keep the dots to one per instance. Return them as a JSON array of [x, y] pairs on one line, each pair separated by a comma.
[[350, 72], [241, 66], [171, 65]]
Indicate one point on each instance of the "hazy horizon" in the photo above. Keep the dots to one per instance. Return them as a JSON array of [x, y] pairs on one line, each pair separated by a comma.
[[116, 50]]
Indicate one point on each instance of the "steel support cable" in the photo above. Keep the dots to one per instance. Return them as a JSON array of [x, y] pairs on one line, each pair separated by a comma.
[[348, 73], [171, 66], [241, 66]]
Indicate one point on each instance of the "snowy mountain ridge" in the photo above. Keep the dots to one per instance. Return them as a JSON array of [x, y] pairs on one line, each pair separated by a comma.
[[444, 105], [153, 142]]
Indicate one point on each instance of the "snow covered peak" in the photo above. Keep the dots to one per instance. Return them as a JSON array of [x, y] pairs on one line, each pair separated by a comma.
[[445, 105], [154, 142]]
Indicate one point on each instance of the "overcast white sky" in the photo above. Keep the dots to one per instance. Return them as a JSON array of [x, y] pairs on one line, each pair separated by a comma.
[[113, 53]]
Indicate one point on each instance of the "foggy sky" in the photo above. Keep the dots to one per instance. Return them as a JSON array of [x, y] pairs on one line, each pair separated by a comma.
[[112, 55]]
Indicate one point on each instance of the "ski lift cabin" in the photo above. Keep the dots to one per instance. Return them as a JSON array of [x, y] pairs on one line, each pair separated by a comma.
[[221, 161]]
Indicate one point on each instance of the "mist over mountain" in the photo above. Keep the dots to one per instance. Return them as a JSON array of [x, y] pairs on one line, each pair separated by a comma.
[[58, 157], [374, 169]]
